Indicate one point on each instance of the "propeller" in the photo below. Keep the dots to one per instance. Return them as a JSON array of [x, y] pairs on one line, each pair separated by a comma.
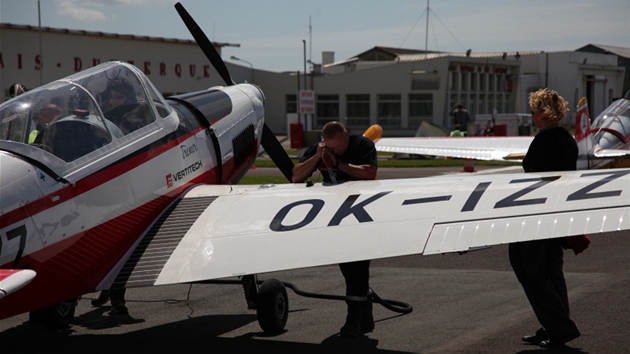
[[205, 44], [269, 141]]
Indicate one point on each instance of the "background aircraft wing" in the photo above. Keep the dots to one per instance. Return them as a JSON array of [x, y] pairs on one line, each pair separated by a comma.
[[479, 148], [611, 154], [224, 231]]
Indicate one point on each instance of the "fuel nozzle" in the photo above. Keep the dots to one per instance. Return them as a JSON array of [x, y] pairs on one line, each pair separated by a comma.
[[327, 159]]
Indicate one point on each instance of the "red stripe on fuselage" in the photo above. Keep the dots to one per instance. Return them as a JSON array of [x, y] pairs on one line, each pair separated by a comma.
[[90, 182], [77, 265]]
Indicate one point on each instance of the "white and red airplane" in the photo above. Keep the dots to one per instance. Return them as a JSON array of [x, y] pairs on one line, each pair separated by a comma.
[[144, 198], [603, 144]]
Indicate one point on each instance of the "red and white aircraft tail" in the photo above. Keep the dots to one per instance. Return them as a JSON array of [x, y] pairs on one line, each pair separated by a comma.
[[583, 138]]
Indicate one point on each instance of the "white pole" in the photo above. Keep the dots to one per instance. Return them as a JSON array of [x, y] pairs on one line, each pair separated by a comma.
[[426, 40], [39, 19]]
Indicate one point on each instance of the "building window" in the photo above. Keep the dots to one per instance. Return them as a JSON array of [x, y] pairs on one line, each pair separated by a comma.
[[420, 108], [358, 110], [465, 81], [455, 81], [389, 110], [291, 103], [474, 79], [327, 109], [425, 83]]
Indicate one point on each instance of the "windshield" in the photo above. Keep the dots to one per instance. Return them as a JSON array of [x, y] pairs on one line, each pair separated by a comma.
[[83, 112]]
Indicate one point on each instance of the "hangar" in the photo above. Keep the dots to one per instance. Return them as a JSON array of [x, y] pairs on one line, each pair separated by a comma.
[[394, 87]]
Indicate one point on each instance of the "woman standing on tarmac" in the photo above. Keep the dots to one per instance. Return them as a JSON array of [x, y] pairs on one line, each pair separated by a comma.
[[538, 264]]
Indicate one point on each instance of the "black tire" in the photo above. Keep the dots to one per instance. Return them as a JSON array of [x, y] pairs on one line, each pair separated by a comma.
[[272, 306], [55, 316]]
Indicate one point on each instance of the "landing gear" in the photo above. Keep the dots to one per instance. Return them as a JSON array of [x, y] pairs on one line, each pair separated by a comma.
[[272, 306], [55, 316]]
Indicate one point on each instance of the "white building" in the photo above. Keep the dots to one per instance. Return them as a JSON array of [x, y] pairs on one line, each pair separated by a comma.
[[396, 88]]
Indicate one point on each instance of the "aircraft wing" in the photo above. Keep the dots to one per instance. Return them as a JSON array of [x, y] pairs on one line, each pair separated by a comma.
[[611, 153], [479, 148], [225, 231]]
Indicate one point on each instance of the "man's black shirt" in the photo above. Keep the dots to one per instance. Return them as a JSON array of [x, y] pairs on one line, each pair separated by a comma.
[[360, 151]]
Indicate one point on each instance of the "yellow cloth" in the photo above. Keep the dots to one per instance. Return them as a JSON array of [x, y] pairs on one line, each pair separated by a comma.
[[32, 136]]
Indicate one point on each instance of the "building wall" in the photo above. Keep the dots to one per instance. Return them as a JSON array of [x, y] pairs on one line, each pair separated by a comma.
[[479, 84], [171, 66], [573, 75], [398, 89]]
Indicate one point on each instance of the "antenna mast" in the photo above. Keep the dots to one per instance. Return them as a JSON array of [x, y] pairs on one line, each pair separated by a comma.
[[426, 39]]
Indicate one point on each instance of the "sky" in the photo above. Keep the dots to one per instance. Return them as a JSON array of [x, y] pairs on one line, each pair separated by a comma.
[[271, 32]]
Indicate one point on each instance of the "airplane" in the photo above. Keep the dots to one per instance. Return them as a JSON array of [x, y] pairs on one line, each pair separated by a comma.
[[604, 143], [147, 197]]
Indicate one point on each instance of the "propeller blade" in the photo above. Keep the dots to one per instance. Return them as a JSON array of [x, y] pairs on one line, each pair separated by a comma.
[[205, 44], [269, 141], [277, 153]]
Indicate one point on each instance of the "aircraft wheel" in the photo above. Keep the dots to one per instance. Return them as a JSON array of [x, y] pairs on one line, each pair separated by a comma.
[[55, 316], [272, 306]]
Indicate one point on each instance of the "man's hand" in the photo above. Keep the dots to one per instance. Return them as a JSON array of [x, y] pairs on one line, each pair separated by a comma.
[[329, 159]]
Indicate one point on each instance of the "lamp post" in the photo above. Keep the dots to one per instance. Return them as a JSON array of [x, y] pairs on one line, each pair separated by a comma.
[[245, 61]]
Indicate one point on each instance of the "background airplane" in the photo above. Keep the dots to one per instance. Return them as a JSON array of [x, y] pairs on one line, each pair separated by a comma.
[[604, 143], [142, 196]]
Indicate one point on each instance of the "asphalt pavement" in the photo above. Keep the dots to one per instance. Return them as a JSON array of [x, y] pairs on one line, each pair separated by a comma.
[[469, 303]]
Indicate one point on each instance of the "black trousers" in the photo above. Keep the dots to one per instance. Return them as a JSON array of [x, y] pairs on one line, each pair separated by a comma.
[[538, 267], [357, 276]]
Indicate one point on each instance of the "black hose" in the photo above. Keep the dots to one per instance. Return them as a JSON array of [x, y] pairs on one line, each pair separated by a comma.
[[392, 305]]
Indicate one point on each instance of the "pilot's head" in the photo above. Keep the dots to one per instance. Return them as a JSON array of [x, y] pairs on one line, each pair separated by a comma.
[[47, 114], [548, 108], [119, 91], [335, 137]]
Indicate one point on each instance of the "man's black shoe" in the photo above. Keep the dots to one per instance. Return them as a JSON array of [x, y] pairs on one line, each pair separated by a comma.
[[551, 344], [101, 300], [558, 342], [540, 336]]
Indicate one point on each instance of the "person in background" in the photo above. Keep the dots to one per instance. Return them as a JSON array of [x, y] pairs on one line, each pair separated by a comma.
[[457, 132], [46, 115], [117, 298], [462, 117], [538, 264], [348, 157]]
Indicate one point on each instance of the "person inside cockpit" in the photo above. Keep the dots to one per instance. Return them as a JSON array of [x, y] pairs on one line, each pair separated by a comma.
[[118, 93], [47, 114], [121, 106]]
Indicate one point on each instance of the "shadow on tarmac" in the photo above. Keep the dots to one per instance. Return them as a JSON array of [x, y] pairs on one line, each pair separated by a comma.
[[194, 335]]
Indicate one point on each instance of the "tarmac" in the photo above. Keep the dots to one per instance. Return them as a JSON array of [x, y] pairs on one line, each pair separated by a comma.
[[469, 303]]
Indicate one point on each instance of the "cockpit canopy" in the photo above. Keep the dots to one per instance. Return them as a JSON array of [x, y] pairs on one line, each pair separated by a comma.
[[611, 126], [81, 113]]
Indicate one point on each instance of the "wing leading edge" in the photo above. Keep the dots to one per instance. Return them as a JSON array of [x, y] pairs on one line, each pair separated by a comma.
[[258, 229], [479, 148]]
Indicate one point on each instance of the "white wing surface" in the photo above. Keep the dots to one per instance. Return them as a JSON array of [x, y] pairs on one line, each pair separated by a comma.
[[257, 229], [479, 148], [611, 153]]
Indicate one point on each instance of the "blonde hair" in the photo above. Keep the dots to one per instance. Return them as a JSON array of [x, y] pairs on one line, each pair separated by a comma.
[[552, 106]]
